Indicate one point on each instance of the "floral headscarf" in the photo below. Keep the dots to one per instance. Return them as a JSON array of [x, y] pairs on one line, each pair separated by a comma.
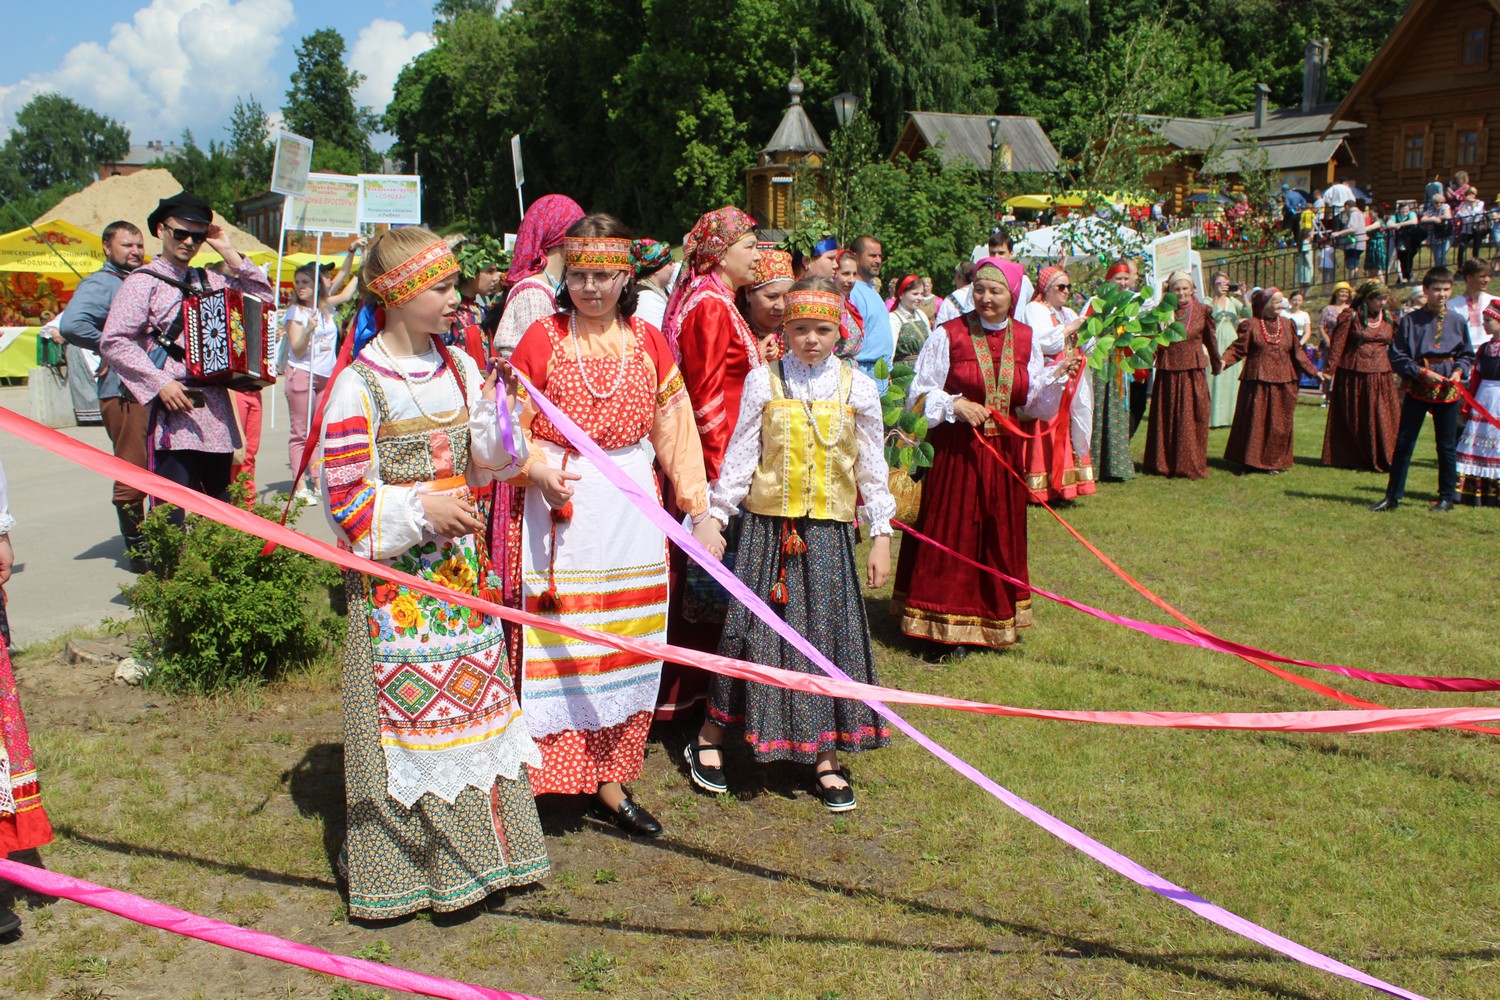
[[541, 230], [650, 256], [1044, 280], [704, 247]]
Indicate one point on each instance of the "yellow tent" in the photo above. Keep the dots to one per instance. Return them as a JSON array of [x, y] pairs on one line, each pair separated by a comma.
[[1077, 199], [56, 264], [29, 242], [1032, 201]]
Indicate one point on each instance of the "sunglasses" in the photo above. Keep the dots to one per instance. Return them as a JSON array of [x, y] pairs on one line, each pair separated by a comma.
[[1063, 287], [188, 235]]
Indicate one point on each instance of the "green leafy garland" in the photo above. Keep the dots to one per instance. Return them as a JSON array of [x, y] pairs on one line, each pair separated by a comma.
[[906, 444], [479, 252], [1121, 323]]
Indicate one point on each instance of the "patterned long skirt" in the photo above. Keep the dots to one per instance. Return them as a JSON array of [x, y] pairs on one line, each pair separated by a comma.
[[1111, 438], [1479, 453], [1261, 435], [825, 605], [589, 706], [23, 821], [1364, 413], [435, 854], [1177, 435]]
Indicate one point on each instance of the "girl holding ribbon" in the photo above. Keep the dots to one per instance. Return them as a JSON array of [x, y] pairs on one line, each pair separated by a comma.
[[1479, 445], [808, 446], [435, 749], [976, 376], [588, 555]]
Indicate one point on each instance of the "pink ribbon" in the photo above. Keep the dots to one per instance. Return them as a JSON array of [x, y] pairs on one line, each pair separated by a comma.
[[648, 506], [252, 942], [243, 520]]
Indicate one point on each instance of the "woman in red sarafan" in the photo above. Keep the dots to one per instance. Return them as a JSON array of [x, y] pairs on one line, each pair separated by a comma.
[[982, 363], [23, 821]]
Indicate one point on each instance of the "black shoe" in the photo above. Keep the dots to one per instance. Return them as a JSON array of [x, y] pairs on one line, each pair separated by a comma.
[[630, 817], [130, 518], [1441, 506], [9, 923], [1389, 503], [834, 799], [710, 779]]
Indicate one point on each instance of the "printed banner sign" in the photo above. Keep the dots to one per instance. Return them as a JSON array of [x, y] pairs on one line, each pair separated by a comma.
[[293, 161], [331, 205], [392, 199], [1172, 253]]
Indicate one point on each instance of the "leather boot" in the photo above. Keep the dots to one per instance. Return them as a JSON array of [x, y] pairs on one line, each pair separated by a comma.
[[135, 543]]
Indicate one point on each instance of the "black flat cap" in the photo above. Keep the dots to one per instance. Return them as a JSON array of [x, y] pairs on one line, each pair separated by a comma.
[[184, 206]]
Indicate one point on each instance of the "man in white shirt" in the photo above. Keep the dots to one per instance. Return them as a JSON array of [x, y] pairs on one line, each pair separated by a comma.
[[1338, 195], [1475, 299]]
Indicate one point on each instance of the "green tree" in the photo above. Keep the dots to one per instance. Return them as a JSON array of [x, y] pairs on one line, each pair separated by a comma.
[[250, 142], [320, 105], [58, 141]]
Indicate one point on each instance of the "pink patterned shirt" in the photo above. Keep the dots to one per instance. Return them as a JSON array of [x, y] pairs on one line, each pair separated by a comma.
[[144, 304]]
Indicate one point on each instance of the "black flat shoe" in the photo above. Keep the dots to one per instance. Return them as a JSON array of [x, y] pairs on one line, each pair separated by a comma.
[[834, 799], [706, 777], [9, 923], [1387, 504], [1441, 506], [630, 817]]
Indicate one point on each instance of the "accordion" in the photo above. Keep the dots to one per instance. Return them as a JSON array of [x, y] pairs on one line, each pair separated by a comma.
[[229, 339]]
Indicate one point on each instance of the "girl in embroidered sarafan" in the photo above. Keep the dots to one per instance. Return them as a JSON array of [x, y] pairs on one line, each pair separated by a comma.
[[23, 821], [435, 750], [590, 558], [809, 443], [983, 361]]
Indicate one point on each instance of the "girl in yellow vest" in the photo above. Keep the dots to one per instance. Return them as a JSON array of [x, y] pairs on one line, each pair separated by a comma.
[[809, 441]]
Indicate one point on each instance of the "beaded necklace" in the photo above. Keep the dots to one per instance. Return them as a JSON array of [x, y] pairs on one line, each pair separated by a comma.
[[1270, 340], [807, 408], [583, 372], [412, 381]]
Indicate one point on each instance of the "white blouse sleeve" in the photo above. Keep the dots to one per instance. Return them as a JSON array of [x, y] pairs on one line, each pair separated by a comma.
[[375, 519], [1045, 386], [871, 474], [928, 381], [1045, 331], [743, 453], [6, 521], [489, 459]]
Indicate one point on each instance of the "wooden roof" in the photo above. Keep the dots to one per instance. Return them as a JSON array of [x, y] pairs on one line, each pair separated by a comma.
[[965, 139]]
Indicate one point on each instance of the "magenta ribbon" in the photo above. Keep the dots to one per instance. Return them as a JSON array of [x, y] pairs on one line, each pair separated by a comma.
[[652, 509], [1207, 640], [252, 942]]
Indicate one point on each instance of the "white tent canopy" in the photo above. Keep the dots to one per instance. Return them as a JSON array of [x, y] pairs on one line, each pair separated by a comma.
[[1082, 238]]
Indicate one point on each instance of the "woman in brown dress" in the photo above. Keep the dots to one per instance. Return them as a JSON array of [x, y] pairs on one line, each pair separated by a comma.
[[1365, 404], [1260, 438], [1177, 436]]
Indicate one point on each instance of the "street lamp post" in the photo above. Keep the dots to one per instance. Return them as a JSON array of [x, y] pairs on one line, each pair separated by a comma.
[[845, 106], [994, 124]]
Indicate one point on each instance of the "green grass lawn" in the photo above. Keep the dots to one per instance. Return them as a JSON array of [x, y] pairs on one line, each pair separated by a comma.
[[1374, 849]]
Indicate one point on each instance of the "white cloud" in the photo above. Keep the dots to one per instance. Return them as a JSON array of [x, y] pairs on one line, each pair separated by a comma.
[[176, 64], [380, 51]]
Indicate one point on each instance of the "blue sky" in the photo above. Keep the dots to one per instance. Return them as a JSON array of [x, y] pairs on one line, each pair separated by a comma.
[[161, 66]]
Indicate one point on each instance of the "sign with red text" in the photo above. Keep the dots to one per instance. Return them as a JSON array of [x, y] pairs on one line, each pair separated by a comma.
[[391, 199]]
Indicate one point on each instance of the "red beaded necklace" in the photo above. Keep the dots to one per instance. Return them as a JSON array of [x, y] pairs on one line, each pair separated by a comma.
[[1272, 341]]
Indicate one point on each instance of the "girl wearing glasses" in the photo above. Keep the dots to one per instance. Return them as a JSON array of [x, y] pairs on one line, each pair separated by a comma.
[[587, 554], [1058, 464], [1177, 436]]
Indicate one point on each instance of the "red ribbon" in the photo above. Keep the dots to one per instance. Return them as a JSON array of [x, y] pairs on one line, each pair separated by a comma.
[[1146, 592], [1468, 397], [1383, 720]]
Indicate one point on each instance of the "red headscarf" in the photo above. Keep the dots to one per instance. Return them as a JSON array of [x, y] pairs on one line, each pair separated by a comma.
[[541, 230], [1044, 279], [902, 287]]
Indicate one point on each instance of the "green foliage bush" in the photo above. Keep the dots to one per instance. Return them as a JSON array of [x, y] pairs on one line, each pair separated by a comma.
[[218, 614]]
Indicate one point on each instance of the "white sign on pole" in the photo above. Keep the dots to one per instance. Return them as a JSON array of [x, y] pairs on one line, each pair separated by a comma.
[[330, 205], [393, 199], [520, 171], [1171, 253], [290, 168]]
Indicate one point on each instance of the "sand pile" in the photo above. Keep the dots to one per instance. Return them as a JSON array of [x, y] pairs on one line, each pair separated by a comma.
[[132, 197]]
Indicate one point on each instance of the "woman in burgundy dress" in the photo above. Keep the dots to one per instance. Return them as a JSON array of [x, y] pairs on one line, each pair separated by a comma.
[[1177, 436], [1364, 408], [980, 364], [1260, 438]]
